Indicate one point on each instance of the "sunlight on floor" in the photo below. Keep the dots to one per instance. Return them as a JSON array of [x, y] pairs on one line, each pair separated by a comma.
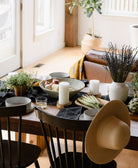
[[60, 61]]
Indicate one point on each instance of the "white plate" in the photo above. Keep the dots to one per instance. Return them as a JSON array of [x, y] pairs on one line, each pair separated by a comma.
[[18, 100], [86, 116], [59, 75], [82, 117], [31, 109]]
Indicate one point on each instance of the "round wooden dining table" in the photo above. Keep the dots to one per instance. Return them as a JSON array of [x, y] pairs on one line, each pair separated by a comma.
[[31, 124]]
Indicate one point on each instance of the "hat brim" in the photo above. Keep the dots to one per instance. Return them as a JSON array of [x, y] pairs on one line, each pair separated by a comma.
[[96, 153]]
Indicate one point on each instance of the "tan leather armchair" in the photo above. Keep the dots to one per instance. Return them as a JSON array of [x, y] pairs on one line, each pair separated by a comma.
[[95, 67]]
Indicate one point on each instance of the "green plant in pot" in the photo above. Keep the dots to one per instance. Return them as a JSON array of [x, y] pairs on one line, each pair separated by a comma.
[[120, 63], [134, 81], [90, 40], [133, 104], [20, 82]]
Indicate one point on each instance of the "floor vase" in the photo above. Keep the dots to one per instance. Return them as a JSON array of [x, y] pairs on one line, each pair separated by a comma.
[[118, 91]]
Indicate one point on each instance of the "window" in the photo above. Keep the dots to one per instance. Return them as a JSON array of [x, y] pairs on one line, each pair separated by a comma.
[[6, 19], [43, 16], [121, 7]]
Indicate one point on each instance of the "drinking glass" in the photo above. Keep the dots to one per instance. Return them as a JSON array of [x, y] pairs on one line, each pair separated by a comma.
[[41, 102]]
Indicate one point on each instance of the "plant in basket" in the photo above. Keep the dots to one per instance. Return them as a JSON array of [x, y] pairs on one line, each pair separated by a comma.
[[120, 63], [90, 39], [20, 82]]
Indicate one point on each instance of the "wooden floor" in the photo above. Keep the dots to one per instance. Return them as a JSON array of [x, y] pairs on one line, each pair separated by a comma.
[[61, 61]]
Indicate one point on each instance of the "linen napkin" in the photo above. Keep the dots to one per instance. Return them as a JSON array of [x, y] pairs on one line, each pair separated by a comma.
[[70, 113], [37, 91], [4, 93]]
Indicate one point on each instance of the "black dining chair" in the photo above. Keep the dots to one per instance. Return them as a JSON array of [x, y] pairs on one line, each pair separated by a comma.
[[15, 154], [57, 130]]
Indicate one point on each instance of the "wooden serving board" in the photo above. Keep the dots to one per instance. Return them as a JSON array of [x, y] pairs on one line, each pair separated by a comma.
[[102, 101], [133, 116]]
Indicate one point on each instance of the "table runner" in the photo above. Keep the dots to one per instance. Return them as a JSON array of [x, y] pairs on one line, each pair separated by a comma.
[[37, 91], [71, 112]]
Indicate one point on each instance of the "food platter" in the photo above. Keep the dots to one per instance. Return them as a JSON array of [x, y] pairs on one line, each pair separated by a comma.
[[102, 101], [75, 84]]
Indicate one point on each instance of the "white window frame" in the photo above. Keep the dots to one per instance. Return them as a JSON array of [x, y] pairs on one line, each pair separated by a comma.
[[127, 8], [45, 29], [11, 61]]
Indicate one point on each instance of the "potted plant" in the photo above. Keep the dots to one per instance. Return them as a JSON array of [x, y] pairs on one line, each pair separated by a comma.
[[133, 104], [134, 81], [90, 40], [119, 63], [20, 82]]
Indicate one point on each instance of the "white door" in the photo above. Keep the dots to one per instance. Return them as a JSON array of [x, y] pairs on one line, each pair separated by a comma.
[[9, 36], [42, 29]]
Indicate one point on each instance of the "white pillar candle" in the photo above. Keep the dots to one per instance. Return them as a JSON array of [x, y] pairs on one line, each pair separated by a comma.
[[63, 93], [94, 86]]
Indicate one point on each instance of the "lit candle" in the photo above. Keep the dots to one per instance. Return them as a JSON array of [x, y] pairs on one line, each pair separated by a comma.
[[63, 93], [94, 86]]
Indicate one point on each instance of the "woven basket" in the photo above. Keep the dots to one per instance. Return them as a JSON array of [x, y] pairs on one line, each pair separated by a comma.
[[89, 42]]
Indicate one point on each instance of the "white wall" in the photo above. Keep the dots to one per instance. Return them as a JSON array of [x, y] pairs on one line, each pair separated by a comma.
[[35, 49], [112, 28]]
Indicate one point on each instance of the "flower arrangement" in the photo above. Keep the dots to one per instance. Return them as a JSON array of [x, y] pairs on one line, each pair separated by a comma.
[[120, 62]]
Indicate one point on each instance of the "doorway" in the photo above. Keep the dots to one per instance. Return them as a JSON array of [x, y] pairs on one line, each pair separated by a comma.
[[9, 36]]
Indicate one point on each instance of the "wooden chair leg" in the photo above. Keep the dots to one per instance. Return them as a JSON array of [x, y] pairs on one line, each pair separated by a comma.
[[37, 164]]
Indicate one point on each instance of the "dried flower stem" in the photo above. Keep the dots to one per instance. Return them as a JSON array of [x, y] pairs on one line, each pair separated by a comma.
[[120, 62]]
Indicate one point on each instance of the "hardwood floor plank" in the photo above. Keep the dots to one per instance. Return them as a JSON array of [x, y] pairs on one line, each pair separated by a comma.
[[59, 61]]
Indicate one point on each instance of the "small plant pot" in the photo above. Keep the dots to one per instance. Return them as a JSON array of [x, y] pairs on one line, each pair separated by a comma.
[[19, 90]]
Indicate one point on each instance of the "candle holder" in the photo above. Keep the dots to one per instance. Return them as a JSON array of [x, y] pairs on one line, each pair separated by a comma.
[[60, 106]]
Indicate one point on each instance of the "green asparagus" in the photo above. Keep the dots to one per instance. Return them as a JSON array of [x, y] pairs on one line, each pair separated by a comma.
[[90, 100]]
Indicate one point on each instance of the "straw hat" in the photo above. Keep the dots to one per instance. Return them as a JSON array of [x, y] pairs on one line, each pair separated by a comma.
[[108, 133]]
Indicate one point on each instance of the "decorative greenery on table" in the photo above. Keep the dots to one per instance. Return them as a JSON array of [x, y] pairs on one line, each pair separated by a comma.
[[20, 79], [89, 7], [120, 62], [134, 80]]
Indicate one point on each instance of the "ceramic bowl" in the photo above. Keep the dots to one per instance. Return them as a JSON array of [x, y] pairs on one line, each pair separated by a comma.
[[76, 86], [41, 77], [59, 75], [18, 100], [89, 114]]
